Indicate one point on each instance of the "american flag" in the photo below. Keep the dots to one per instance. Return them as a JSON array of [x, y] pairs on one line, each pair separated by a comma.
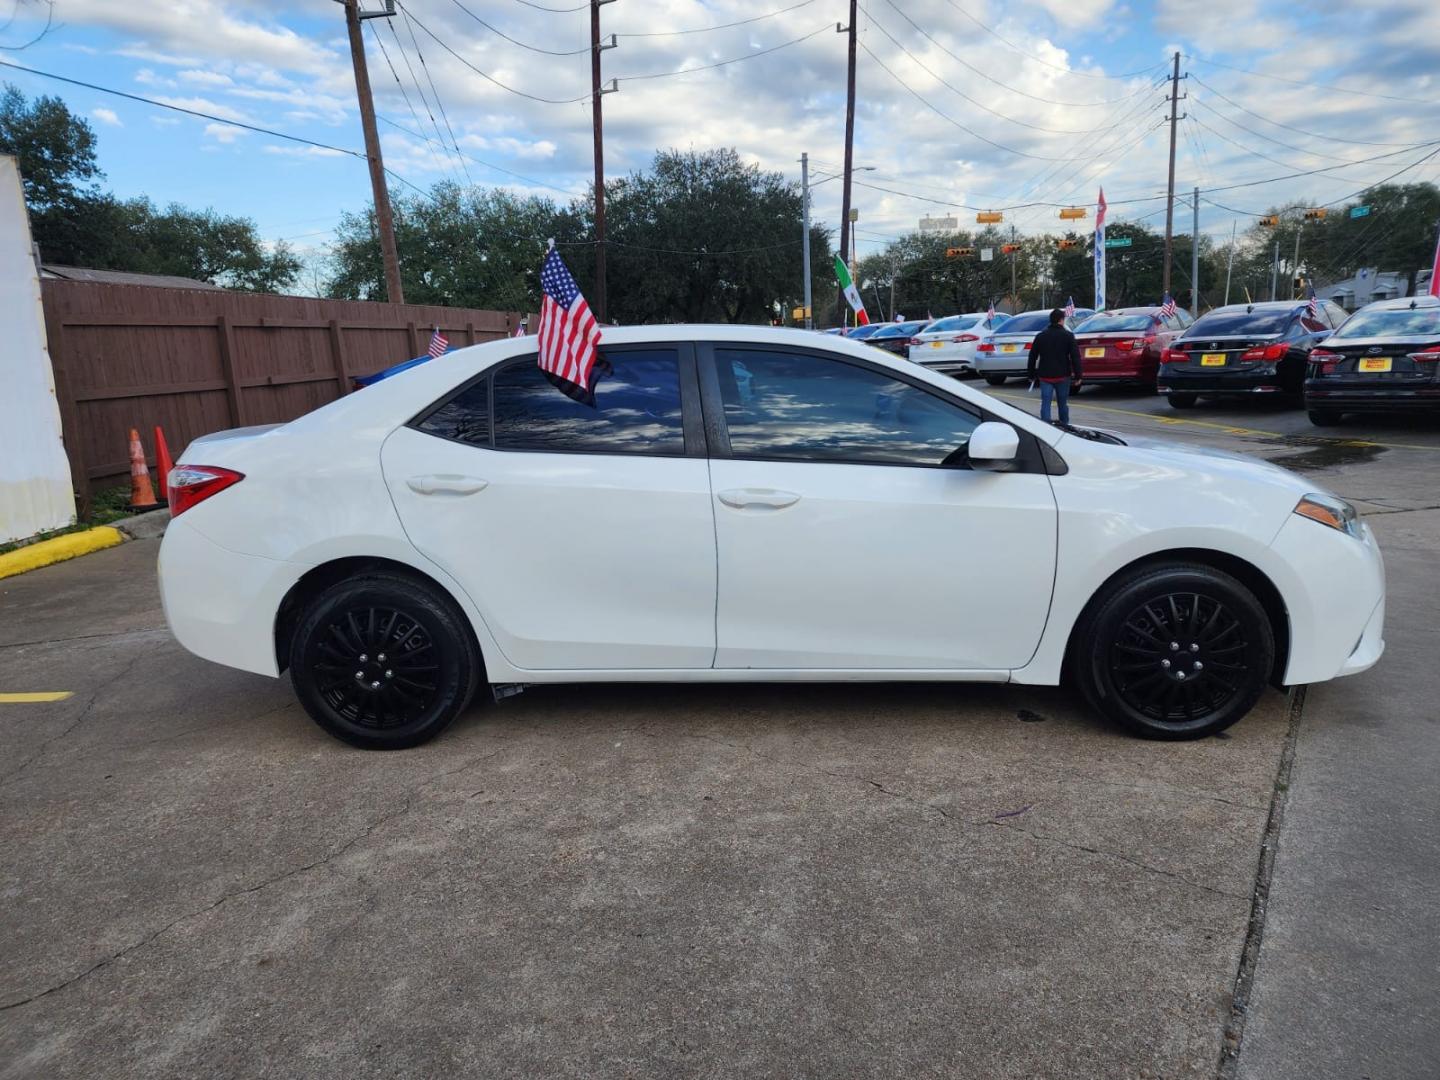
[[990, 315], [519, 330], [438, 344], [1070, 308], [1312, 302], [1167, 306], [568, 332]]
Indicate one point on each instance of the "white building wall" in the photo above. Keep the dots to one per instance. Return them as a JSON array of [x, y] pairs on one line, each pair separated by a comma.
[[35, 486]]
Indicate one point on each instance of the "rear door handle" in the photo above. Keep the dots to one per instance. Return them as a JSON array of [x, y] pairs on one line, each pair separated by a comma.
[[446, 484], [744, 498]]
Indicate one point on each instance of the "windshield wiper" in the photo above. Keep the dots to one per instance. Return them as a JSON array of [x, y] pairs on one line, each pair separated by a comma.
[[1091, 434]]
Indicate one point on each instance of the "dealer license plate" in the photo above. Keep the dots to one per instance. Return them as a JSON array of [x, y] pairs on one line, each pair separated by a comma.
[[937, 344], [1375, 363], [1090, 354], [1009, 348], [1212, 359]]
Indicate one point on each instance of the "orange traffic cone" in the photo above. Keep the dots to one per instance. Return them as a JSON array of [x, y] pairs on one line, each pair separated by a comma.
[[163, 464], [142, 495]]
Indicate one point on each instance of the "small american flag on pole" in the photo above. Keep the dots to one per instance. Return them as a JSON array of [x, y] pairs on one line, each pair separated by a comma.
[[568, 333], [1312, 302], [990, 315], [1167, 306], [1070, 308], [438, 344]]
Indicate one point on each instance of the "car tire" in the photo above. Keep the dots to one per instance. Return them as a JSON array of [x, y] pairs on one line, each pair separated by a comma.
[[1324, 417], [383, 661], [995, 380], [1181, 401], [1173, 651]]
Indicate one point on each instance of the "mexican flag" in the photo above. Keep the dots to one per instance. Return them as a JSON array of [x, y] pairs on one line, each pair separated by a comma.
[[852, 294]]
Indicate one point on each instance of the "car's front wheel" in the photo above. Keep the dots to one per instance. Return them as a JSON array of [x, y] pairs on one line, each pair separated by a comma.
[[1324, 417], [995, 380], [383, 661], [1181, 401], [1174, 651]]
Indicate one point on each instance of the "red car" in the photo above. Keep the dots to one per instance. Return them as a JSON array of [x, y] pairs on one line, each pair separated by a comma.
[[1125, 345]]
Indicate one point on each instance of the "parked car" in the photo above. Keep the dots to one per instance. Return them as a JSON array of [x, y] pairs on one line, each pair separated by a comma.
[[1007, 352], [1245, 349], [1125, 345], [860, 333], [948, 345], [729, 510], [895, 337], [1385, 358]]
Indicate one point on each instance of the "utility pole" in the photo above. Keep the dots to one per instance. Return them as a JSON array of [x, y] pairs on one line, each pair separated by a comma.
[[1275, 271], [1195, 259], [1295, 266], [805, 238], [1014, 254], [894, 270], [849, 140], [1230, 266], [384, 218], [1170, 189], [597, 294]]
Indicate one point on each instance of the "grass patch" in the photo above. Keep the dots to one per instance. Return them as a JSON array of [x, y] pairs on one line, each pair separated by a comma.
[[108, 506]]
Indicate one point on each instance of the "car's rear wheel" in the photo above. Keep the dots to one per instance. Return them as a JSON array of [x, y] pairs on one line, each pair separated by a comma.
[[995, 380], [1181, 401], [383, 662], [1174, 651], [1324, 417]]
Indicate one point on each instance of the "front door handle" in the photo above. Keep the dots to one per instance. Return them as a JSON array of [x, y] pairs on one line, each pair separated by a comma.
[[446, 484], [744, 498]]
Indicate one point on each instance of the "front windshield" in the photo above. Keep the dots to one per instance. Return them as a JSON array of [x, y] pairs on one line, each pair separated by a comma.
[[904, 329], [1026, 323], [1109, 320], [1401, 322]]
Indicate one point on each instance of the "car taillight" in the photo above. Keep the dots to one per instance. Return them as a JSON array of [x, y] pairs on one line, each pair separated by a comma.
[[985, 346], [1124, 346], [1028, 345], [1174, 356], [917, 341], [960, 339], [1428, 356], [191, 484], [1276, 351], [1324, 360]]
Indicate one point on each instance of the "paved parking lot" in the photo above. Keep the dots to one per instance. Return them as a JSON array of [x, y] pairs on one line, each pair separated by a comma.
[[671, 881]]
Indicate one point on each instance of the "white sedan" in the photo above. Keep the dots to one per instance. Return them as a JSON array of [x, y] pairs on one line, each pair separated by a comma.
[[747, 504], [948, 345]]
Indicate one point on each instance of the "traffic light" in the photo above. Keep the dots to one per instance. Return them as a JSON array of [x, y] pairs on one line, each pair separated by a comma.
[[1009, 249], [1271, 221], [1315, 215], [1066, 245], [959, 253], [989, 217]]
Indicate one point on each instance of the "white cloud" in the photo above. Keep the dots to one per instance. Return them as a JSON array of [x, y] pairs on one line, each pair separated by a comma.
[[197, 77], [224, 133], [106, 116], [205, 105]]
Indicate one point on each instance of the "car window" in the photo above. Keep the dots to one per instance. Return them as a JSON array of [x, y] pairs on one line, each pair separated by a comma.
[[1027, 323], [1394, 322], [637, 407], [953, 322], [900, 329], [1113, 320], [1312, 326], [1260, 321], [464, 418], [810, 408]]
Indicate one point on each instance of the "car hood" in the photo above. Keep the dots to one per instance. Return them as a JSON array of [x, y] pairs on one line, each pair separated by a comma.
[[1141, 449]]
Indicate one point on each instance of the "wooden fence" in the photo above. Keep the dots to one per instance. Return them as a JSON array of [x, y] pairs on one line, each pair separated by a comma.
[[195, 361]]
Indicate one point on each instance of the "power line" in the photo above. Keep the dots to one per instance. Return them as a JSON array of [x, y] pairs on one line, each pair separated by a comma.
[[1242, 146], [1029, 54], [723, 63], [993, 79], [1261, 135], [403, 93], [445, 151], [435, 93], [1292, 127], [515, 41], [490, 78], [181, 109], [978, 104], [721, 26], [553, 10], [486, 164], [1313, 86]]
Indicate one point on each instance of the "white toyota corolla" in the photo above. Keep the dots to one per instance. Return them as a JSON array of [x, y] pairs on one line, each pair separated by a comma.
[[748, 504]]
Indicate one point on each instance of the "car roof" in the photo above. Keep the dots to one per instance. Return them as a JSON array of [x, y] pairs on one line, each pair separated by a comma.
[[1151, 310], [1261, 305], [1404, 303]]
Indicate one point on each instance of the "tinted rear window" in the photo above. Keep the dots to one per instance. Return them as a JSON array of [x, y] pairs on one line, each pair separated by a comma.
[[1026, 324], [1221, 323], [954, 322], [1098, 324], [900, 329], [1422, 322]]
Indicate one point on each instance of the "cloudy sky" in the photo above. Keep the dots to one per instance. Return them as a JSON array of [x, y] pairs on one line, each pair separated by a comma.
[[962, 104]]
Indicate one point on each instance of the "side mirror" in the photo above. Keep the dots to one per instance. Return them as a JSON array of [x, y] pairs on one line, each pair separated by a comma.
[[993, 446]]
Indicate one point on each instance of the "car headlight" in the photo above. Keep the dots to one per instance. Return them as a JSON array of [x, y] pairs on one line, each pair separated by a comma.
[[1328, 510]]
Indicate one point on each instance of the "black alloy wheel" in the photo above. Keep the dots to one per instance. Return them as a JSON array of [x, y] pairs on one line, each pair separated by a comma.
[[1174, 651], [1181, 401], [996, 380], [1324, 417], [383, 662]]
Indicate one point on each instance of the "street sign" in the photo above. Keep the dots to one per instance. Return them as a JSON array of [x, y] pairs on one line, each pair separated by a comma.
[[987, 254], [1359, 211], [1118, 241], [989, 217], [1072, 213]]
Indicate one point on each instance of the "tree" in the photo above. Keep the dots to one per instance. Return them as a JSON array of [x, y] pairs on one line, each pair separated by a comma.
[[74, 223]]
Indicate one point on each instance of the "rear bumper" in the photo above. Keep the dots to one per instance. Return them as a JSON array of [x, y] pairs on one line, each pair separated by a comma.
[[1182, 382], [1327, 395]]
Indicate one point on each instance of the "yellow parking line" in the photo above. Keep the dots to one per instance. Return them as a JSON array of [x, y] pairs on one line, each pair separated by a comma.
[[1179, 421], [42, 695]]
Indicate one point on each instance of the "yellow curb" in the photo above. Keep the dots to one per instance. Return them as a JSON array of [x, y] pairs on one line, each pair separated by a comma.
[[39, 695], [58, 549]]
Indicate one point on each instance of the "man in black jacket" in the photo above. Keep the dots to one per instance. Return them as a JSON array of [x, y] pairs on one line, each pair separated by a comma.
[[1055, 360]]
